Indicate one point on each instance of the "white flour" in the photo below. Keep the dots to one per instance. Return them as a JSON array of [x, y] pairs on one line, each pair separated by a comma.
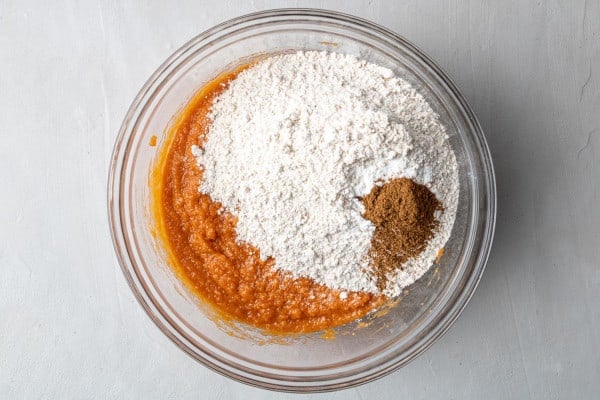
[[297, 138]]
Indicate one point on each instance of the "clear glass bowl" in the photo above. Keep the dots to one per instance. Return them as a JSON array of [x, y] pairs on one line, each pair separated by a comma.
[[360, 351]]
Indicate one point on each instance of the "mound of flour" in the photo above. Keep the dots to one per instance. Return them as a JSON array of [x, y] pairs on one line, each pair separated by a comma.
[[296, 140]]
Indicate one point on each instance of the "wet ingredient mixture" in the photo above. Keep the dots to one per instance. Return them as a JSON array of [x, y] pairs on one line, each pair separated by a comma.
[[270, 191]]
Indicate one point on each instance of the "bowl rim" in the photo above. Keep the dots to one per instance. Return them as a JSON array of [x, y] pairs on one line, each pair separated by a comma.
[[122, 245]]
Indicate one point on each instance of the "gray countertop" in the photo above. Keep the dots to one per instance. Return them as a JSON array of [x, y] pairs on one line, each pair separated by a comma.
[[71, 328]]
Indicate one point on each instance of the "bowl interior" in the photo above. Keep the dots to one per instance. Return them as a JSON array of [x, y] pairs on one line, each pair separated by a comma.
[[361, 350]]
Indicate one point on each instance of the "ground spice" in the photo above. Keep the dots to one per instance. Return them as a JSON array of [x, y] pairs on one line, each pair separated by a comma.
[[403, 213]]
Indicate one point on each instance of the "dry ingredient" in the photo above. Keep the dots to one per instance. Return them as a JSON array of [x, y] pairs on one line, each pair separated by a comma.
[[294, 143], [403, 214]]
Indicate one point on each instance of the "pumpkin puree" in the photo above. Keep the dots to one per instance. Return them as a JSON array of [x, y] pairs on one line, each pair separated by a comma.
[[200, 241]]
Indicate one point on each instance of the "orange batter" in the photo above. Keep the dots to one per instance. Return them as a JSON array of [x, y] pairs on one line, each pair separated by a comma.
[[201, 242]]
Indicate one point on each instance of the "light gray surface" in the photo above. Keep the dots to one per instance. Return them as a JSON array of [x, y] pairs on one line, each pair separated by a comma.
[[70, 327]]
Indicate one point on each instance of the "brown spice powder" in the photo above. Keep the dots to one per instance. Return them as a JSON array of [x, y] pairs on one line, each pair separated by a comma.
[[403, 214]]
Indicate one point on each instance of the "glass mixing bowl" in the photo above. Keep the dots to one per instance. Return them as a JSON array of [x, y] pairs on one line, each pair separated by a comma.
[[363, 350]]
